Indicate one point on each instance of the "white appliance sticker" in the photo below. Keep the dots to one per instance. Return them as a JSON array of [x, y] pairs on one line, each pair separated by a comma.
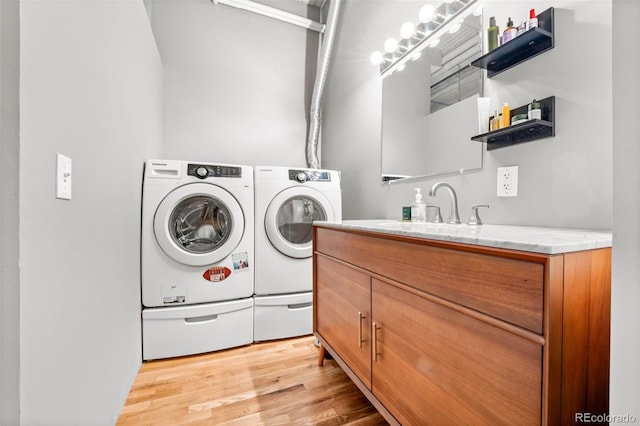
[[240, 261], [174, 294]]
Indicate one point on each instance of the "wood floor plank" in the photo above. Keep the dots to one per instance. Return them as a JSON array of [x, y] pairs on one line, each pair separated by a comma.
[[270, 383]]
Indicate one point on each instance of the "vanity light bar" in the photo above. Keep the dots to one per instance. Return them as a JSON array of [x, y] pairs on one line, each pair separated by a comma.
[[399, 54], [272, 12]]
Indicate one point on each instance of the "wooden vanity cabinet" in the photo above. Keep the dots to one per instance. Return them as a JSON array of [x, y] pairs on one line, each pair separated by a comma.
[[427, 341]]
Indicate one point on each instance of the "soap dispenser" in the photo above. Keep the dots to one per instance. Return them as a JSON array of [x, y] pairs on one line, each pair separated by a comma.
[[418, 208]]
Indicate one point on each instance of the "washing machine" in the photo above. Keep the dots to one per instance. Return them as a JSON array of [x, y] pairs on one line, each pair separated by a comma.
[[288, 200], [197, 253]]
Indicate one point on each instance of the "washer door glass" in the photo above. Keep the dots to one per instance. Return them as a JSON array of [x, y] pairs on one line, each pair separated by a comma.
[[289, 219], [198, 224]]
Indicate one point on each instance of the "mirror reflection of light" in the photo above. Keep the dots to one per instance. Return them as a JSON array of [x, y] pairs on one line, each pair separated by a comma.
[[416, 56], [401, 67], [434, 42], [478, 11], [455, 27]]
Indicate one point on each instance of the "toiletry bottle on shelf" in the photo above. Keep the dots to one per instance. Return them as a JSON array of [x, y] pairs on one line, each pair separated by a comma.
[[418, 208], [492, 34], [534, 111], [533, 19], [506, 115], [509, 32], [496, 123]]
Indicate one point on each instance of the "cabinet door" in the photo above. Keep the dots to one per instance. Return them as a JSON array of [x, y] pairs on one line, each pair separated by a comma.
[[343, 302], [436, 365]]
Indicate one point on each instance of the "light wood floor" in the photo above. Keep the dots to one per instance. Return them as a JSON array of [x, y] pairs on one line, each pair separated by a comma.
[[273, 383]]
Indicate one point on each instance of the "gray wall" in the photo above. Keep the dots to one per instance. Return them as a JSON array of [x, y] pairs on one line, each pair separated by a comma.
[[237, 85], [625, 315], [563, 181], [9, 241], [90, 88]]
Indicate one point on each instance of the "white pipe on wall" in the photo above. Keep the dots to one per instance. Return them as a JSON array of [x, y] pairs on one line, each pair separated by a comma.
[[273, 12]]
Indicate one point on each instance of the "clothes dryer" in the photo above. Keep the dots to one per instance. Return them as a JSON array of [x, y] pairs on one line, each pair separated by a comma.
[[288, 200], [196, 257]]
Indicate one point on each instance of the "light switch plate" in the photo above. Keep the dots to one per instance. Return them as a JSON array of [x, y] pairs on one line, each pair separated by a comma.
[[508, 181], [63, 177]]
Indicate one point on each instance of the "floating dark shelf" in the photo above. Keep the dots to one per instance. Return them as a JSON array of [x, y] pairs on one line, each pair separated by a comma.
[[520, 49], [527, 131], [518, 133]]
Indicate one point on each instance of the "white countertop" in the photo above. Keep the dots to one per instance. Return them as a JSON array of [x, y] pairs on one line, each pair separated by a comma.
[[525, 238]]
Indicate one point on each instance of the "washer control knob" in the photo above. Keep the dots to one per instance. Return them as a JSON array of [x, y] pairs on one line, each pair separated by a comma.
[[301, 177], [202, 172]]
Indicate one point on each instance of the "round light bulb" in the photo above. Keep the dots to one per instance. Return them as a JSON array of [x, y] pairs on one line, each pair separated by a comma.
[[426, 13], [377, 58], [407, 30], [390, 45], [449, 1]]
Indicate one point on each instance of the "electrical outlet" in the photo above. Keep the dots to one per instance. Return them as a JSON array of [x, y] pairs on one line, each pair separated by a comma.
[[508, 181]]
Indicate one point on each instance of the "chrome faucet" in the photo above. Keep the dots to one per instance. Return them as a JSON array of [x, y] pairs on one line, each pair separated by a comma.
[[454, 216], [475, 217], [437, 217]]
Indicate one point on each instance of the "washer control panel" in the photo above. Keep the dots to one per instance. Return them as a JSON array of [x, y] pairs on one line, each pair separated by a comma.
[[302, 176], [203, 171]]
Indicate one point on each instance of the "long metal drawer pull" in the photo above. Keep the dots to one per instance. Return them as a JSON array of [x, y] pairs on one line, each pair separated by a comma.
[[361, 316], [304, 305], [202, 319], [375, 329]]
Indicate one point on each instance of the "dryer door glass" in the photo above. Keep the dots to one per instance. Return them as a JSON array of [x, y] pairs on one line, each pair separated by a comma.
[[200, 224], [295, 219], [288, 220]]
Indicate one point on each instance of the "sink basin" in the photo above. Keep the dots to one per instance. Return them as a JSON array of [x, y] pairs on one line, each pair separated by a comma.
[[393, 224], [428, 228], [420, 225]]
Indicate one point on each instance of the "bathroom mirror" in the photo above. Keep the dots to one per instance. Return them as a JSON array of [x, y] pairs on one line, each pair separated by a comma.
[[429, 109]]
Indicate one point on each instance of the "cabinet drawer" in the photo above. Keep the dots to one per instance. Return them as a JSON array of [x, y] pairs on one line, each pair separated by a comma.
[[505, 288]]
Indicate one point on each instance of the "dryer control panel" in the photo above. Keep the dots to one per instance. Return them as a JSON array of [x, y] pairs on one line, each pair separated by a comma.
[[203, 171], [309, 176]]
